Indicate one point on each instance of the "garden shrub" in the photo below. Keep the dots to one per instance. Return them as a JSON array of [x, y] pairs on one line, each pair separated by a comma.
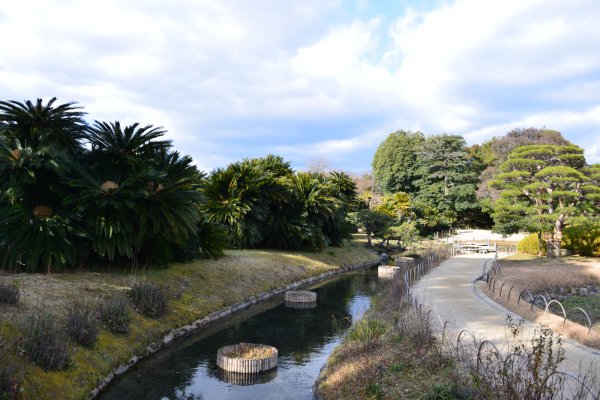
[[530, 245], [114, 313], [81, 323], [150, 299], [583, 239], [43, 341], [9, 293]]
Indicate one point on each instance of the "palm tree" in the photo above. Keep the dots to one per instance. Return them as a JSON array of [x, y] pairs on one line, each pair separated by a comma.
[[169, 216]]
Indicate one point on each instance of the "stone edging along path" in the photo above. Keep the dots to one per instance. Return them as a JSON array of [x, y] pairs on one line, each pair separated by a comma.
[[222, 313]]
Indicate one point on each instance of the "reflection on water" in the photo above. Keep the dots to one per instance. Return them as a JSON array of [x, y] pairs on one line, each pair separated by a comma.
[[293, 304], [239, 379], [303, 337]]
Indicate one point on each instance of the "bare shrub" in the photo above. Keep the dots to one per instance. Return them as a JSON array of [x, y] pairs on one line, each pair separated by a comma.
[[9, 293], [527, 370], [82, 324], [43, 341], [150, 299], [415, 326], [114, 313]]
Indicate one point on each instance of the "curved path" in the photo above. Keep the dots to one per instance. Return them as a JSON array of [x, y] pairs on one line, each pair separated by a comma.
[[449, 290]]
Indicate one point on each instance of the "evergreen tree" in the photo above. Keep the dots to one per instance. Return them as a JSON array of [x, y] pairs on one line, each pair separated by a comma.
[[446, 189], [396, 162], [545, 188]]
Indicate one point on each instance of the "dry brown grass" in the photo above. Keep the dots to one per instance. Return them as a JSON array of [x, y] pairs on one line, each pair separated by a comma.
[[569, 329], [250, 351], [223, 281], [388, 371], [544, 274]]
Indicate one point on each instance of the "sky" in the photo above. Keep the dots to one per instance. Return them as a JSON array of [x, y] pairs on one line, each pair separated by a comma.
[[314, 81]]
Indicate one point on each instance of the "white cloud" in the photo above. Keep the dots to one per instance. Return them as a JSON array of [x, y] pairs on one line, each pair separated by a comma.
[[580, 127], [198, 67]]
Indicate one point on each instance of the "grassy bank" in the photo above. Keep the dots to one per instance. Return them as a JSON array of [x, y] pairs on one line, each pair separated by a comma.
[[208, 285], [381, 358], [390, 354]]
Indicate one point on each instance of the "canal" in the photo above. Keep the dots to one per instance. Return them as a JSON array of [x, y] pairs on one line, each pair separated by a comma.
[[187, 369]]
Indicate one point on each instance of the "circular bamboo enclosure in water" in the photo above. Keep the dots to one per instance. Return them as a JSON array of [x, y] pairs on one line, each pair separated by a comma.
[[405, 261], [387, 271], [247, 358], [300, 297]]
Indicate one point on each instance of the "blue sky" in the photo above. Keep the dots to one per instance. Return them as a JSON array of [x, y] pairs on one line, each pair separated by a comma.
[[311, 80]]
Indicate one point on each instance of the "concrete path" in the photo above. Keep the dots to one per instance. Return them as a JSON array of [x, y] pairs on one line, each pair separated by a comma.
[[450, 292]]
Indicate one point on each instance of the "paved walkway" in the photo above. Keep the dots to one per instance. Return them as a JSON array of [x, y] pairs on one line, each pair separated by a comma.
[[450, 292]]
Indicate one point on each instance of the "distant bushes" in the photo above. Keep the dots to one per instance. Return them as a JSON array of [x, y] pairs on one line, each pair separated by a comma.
[[582, 239], [263, 202]]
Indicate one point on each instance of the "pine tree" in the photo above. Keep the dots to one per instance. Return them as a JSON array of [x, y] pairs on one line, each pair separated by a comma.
[[545, 188]]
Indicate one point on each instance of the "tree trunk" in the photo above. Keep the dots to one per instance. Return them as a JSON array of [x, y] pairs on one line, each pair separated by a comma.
[[558, 234], [549, 238], [540, 244], [368, 238]]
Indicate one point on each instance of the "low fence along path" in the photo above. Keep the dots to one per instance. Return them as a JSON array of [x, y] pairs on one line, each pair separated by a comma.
[[449, 291]]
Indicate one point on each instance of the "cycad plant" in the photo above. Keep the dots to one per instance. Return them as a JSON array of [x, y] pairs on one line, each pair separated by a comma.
[[140, 198], [71, 193], [264, 203], [234, 198], [39, 146]]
